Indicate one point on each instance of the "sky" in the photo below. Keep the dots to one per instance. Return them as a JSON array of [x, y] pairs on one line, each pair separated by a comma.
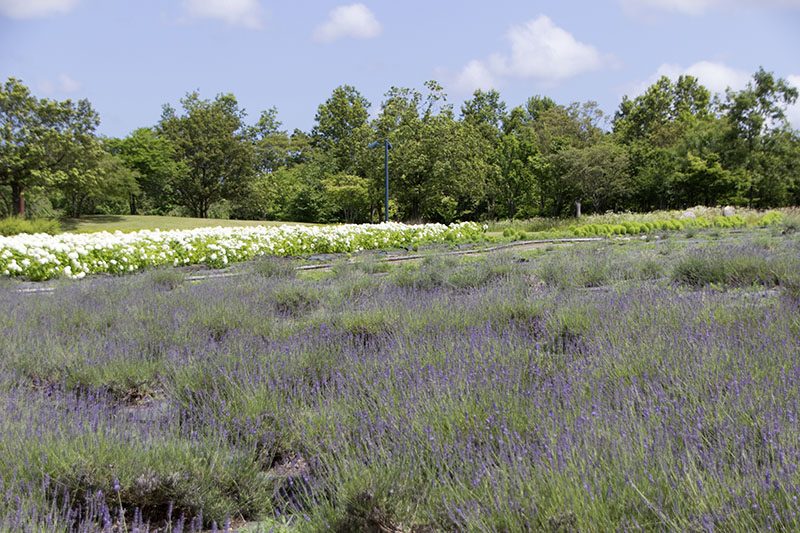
[[130, 57]]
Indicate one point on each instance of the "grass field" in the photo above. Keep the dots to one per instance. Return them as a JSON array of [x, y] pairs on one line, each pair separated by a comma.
[[642, 385], [111, 223]]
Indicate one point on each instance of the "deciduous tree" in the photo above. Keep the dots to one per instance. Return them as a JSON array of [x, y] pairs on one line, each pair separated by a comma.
[[211, 142], [154, 161], [39, 137]]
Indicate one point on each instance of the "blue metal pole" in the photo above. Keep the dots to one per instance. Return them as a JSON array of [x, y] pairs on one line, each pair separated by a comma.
[[386, 181]]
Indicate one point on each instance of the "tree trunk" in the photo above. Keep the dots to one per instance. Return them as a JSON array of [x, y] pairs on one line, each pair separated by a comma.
[[18, 200], [132, 203], [81, 200], [577, 208]]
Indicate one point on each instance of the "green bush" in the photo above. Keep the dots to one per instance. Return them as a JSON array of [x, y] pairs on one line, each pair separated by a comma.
[[699, 222], [630, 227], [699, 270], [273, 267], [738, 270], [16, 225], [166, 278], [729, 222], [773, 217]]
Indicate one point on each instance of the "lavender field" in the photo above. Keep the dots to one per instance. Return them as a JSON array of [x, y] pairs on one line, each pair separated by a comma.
[[617, 386]]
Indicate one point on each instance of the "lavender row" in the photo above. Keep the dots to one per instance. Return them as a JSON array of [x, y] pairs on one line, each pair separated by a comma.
[[578, 389]]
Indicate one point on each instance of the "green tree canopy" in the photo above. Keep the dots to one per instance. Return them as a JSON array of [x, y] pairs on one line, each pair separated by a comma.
[[155, 164], [212, 143], [39, 138], [665, 103], [438, 164], [760, 138], [97, 178], [342, 129]]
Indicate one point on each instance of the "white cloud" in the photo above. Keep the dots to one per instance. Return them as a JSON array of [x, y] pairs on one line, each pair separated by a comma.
[[64, 84], [793, 112], [27, 9], [543, 51], [475, 75], [355, 20], [540, 51], [245, 13], [67, 84], [699, 7], [716, 77]]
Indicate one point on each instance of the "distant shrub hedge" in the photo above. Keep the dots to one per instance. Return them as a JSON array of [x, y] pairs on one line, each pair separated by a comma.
[[674, 224], [16, 225]]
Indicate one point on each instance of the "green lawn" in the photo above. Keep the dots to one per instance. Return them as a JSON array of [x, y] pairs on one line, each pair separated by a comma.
[[93, 223]]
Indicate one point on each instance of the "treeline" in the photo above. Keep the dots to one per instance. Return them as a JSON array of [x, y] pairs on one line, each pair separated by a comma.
[[672, 147]]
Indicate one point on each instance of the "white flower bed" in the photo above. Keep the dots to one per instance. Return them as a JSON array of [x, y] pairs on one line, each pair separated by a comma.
[[42, 256]]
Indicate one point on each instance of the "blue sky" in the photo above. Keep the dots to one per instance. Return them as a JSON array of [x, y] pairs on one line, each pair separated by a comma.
[[131, 57]]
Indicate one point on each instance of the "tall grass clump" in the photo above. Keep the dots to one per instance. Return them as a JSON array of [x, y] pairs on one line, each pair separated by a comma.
[[269, 267], [737, 265]]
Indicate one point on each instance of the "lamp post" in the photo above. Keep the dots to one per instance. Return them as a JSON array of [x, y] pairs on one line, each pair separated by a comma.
[[386, 147]]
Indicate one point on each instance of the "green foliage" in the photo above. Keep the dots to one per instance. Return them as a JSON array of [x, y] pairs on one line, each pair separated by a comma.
[[341, 130], [210, 142], [411, 276], [633, 227], [759, 141], [734, 221], [42, 140], [273, 267], [672, 147], [665, 106], [597, 173], [100, 179], [15, 225], [739, 269], [155, 164], [349, 195], [295, 299], [167, 278], [771, 218], [700, 270], [437, 165]]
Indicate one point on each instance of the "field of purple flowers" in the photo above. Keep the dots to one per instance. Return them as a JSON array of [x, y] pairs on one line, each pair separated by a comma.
[[644, 386]]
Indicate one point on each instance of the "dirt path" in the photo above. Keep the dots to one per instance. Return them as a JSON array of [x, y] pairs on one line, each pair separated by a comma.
[[518, 245]]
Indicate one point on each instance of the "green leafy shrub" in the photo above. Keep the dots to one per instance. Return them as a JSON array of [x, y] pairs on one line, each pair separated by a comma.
[[773, 217], [629, 227], [16, 225], [699, 222], [734, 221]]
